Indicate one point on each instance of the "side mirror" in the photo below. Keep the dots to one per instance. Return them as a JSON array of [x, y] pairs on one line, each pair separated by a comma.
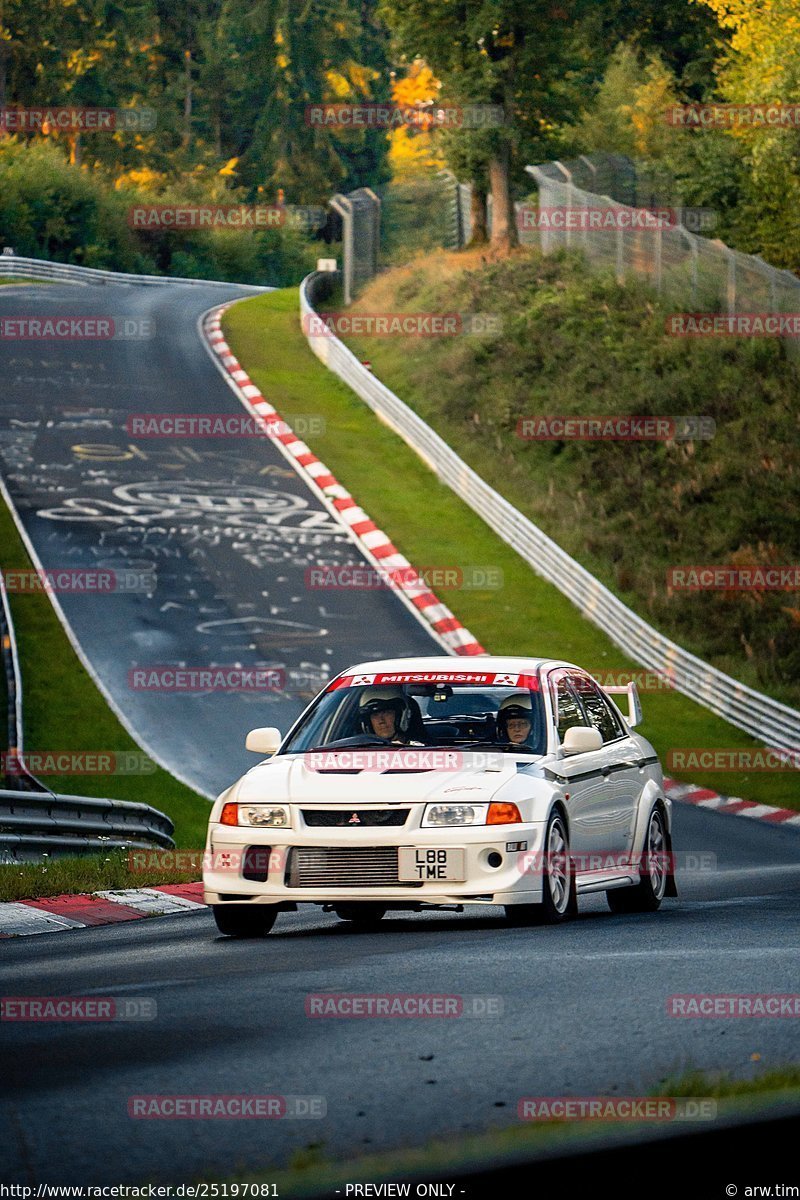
[[580, 739], [264, 741]]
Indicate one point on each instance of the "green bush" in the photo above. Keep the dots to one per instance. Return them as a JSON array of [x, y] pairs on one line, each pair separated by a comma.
[[50, 209]]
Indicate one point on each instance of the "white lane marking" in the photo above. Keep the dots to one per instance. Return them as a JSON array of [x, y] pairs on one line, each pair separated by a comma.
[[22, 919], [750, 952], [150, 900]]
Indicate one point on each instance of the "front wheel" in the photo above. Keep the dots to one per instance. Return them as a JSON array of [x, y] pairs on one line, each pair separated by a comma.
[[647, 894], [244, 920], [559, 889], [362, 916]]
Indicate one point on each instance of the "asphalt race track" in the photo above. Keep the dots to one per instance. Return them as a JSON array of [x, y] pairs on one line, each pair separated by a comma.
[[229, 531], [226, 526], [583, 1011]]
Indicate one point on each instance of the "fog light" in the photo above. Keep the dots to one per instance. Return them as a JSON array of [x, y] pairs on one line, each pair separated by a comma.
[[256, 863], [495, 859]]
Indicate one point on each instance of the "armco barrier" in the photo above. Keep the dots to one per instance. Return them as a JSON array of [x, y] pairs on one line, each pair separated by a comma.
[[36, 823], [12, 267], [13, 674], [777, 725]]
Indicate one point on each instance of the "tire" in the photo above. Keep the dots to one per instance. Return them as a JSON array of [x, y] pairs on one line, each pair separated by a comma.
[[362, 916], [245, 920], [647, 894], [559, 894]]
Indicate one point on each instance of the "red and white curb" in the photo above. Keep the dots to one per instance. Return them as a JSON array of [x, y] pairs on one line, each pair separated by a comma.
[[690, 793], [374, 543], [55, 913]]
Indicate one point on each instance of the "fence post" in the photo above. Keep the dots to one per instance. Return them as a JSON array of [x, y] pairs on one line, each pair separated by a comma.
[[570, 192], [341, 205], [456, 222], [658, 247], [692, 240], [731, 281]]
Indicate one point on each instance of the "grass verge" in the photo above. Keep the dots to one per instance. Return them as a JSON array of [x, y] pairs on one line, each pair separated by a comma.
[[573, 343], [63, 710], [430, 525], [88, 873]]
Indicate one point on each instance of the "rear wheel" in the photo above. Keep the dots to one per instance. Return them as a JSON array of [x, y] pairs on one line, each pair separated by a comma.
[[647, 894], [363, 916], [245, 920], [559, 894]]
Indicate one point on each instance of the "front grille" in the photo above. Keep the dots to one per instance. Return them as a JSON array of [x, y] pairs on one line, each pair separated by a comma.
[[344, 816], [348, 866]]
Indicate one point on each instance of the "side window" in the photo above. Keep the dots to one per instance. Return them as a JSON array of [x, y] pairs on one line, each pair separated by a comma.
[[567, 709], [598, 709]]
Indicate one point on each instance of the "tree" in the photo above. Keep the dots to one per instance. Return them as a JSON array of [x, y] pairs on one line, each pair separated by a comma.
[[509, 55], [762, 66]]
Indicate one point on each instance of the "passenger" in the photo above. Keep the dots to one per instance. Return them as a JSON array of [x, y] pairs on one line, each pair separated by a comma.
[[514, 720]]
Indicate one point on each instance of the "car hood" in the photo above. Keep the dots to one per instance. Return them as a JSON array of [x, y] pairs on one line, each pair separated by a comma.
[[288, 779]]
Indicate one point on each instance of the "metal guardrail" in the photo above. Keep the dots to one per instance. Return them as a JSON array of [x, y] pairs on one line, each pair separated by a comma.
[[35, 823], [12, 267], [776, 724], [13, 674]]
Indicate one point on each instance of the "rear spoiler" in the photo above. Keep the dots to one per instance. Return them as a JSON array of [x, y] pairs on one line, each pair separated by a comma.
[[634, 716]]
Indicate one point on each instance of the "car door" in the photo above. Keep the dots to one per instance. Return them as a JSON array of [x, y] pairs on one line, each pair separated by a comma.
[[592, 806], [622, 756]]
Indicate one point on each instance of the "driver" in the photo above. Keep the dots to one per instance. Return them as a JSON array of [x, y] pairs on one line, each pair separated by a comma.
[[515, 719], [386, 713]]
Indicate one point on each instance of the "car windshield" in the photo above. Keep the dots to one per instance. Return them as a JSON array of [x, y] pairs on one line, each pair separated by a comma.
[[498, 717]]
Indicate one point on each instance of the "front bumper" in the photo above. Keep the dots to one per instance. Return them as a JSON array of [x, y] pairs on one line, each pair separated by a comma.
[[510, 882]]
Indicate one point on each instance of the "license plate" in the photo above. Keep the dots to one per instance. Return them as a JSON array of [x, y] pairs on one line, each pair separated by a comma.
[[429, 865]]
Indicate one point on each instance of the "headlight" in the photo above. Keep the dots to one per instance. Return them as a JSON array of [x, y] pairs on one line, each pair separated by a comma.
[[437, 815], [259, 816]]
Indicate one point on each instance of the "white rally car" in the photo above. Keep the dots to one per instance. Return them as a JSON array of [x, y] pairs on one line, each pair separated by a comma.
[[432, 782]]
